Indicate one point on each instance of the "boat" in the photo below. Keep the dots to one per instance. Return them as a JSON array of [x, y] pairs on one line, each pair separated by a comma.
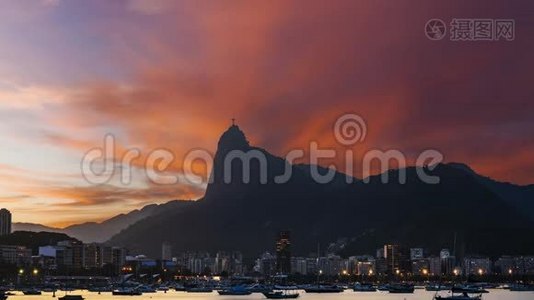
[[364, 287], [383, 287], [179, 288], [199, 290], [145, 289], [437, 287], [259, 288], [126, 292], [522, 288], [71, 297], [234, 291], [31, 292], [324, 289], [458, 296], [280, 295], [285, 287], [468, 289], [401, 288]]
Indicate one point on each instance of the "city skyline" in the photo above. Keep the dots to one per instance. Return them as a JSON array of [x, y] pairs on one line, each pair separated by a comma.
[[391, 260], [162, 74]]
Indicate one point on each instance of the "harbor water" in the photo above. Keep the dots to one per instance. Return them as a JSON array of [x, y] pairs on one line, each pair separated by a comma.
[[419, 294]]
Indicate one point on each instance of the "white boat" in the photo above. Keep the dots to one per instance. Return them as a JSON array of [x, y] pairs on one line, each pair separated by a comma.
[[458, 296]]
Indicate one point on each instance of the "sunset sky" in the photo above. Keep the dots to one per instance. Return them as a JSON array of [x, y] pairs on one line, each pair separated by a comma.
[[171, 74]]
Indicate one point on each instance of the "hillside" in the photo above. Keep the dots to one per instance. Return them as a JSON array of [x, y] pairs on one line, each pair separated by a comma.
[[34, 240], [101, 232], [246, 216]]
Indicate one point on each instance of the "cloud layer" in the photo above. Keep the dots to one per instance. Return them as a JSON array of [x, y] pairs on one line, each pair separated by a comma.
[[166, 74]]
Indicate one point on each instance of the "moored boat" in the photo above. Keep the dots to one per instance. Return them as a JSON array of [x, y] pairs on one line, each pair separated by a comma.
[[401, 288], [437, 287], [383, 287], [126, 292], [32, 292], [522, 288], [234, 291], [280, 295], [458, 296], [179, 288], [71, 297], [324, 289], [364, 287], [259, 288], [285, 287], [199, 290], [468, 289], [146, 289]]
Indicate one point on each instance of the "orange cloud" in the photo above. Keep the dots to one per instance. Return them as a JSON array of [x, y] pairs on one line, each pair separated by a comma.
[[286, 71]]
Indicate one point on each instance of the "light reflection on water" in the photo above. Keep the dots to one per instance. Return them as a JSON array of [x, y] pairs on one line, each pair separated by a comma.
[[347, 295]]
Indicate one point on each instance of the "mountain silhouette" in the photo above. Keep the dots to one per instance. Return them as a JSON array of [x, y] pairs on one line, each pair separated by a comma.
[[34, 240], [237, 214], [100, 232]]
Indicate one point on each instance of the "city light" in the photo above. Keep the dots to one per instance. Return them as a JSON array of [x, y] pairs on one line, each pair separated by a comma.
[[425, 271], [480, 271], [21, 271], [397, 271], [35, 271], [345, 272], [456, 272], [127, 269], [370, 272], [510, 271]]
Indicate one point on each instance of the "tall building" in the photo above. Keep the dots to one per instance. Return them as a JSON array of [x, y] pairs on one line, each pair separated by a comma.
[[267, 264], [16, 255], [299, 265], [92, 255], [5, 222], [420, 266], [71, 253], [477, 265], [283, 253], [444, 254], [434, 263], [397, 259], [448, 262], [114, 256], [416, 253], [166, 251]]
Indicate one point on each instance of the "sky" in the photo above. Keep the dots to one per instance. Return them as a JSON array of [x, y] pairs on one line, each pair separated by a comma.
[[160, 74]]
